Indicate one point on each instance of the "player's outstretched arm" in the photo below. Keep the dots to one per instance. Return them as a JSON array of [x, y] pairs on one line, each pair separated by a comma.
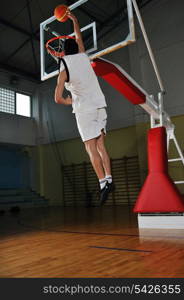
[[77, 31]]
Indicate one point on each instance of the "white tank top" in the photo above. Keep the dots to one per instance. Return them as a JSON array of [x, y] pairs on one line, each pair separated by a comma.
[[83, 84]]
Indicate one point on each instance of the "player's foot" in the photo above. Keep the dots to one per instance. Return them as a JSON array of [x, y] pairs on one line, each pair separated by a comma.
[[104, 193]]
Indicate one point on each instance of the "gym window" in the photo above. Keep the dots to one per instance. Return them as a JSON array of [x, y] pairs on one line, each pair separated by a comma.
[[15, 103]]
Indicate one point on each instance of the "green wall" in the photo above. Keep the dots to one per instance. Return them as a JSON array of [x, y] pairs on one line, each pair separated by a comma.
[[128, 141]]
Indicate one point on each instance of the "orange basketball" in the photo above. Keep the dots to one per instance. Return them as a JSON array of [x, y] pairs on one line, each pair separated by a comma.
[[60, 13]]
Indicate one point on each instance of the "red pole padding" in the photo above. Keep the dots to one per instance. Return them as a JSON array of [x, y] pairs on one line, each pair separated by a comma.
[[110, 73], [157, 150], [159, 193]]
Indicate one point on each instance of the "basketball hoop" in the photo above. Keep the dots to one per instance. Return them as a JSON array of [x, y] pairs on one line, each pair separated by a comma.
[[57, 51]]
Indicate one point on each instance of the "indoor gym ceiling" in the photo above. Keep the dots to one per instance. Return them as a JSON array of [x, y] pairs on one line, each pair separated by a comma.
[[20, 29]]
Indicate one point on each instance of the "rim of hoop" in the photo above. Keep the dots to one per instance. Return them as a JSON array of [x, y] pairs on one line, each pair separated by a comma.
[[54, 52]]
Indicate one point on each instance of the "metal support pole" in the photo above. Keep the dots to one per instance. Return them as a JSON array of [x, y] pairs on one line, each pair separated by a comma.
[[160, 102], [148, 46], [171, 136], [178, 148], [168, 140], [152, 119]]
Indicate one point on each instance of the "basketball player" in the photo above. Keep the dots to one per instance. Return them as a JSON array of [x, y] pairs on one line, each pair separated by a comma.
[[88, 102]]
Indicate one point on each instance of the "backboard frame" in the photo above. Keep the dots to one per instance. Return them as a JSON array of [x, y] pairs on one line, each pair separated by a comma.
[[44, 74], [128, 40]]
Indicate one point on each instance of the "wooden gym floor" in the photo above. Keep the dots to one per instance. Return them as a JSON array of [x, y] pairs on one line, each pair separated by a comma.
[[86, 242]]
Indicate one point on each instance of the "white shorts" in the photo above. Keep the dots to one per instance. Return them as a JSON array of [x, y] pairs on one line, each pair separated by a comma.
[[91, 124]]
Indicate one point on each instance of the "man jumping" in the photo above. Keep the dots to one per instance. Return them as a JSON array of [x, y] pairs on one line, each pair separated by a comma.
[[88, 102]]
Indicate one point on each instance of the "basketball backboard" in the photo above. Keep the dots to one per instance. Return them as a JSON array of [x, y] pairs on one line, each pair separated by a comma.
[[100, 37]]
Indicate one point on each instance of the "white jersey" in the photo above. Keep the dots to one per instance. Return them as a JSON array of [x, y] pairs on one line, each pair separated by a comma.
[[83, 84]]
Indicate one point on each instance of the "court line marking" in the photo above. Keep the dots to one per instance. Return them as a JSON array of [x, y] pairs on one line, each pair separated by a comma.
[[76, 232], [97, 247], [121, 249], [98, 233]]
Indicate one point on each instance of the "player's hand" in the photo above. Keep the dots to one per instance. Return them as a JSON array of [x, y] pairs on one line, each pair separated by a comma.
[[71, 16], [68, 101]]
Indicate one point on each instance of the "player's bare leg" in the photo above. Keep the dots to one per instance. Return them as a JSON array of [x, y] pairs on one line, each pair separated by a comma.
[[101, 164], [104, 155], [95, 158]]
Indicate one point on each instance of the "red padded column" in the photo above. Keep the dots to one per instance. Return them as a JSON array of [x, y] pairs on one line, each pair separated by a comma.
[[157, 150], [159, 193]]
